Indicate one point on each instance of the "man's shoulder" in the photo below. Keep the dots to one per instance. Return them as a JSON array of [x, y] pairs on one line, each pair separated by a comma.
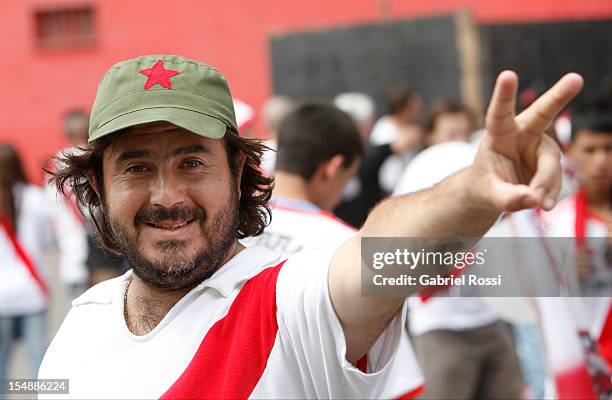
[[306, 264]]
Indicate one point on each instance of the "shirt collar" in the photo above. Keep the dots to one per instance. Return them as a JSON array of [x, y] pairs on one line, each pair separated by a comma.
[[243, 266]]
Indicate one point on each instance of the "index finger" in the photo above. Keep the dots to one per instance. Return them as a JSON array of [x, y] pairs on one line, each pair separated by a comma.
[[538, 117], [500, 115]]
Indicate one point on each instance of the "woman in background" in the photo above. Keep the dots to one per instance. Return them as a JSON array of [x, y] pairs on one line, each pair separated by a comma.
[[25, 223]]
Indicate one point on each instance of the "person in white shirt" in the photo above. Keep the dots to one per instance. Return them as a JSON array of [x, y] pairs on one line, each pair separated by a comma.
[[27, 220], [319, 150], [586, 217], [200, 316]]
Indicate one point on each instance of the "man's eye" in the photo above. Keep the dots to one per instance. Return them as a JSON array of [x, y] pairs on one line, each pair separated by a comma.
[[137, 169], [191, 164]]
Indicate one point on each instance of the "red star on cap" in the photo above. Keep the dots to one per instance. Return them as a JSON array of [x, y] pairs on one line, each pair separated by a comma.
[[158, 75]]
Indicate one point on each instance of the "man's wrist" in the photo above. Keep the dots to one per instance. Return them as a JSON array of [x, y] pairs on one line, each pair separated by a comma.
[[472, 194]]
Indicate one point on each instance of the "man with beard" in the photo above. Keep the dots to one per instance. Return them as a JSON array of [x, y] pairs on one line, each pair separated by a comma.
[[172, 187]]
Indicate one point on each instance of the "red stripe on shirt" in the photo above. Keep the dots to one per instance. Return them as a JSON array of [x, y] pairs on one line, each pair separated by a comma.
[[412, 394], [234, 353], [23, 257], [581, 218], [605, 339], [575, 383]]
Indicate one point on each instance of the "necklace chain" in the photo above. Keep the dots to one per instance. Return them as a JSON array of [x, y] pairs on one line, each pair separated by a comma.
[[127, 288], [125, 295]]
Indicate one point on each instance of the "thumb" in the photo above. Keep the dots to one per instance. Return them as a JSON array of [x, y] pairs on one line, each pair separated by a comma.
[[510, 197]]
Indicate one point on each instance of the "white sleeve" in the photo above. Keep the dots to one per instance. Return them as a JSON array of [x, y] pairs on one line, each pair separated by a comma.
[[308, 323]]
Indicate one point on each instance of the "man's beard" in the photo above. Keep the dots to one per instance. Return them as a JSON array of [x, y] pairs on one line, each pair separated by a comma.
[[173, 269]]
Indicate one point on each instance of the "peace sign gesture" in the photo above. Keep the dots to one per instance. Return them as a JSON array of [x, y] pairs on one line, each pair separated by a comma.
[[517, 165]]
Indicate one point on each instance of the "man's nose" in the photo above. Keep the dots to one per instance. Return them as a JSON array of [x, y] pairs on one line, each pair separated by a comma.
[[166, 190]]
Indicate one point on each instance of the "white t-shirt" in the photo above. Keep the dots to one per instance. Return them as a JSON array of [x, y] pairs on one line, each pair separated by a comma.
[[299, 225], [257, 328]]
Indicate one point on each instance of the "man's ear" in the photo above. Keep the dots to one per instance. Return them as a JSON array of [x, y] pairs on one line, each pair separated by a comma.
[[240, 162], [332, 167]]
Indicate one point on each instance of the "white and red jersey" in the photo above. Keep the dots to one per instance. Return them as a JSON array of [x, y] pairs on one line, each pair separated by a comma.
[[299, 225], [260, 327], [23, 273], [40, 222], [572, 218]]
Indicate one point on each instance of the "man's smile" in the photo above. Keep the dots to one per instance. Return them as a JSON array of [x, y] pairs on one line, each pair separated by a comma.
[[169, 225], [171, 229]]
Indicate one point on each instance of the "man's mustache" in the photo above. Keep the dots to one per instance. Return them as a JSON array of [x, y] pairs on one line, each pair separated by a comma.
[[180, 212]]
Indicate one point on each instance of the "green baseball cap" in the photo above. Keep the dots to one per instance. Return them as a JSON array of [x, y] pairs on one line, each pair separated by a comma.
[[168, 88]]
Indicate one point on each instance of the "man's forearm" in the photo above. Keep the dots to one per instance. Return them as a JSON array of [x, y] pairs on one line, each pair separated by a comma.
[[447, 209]]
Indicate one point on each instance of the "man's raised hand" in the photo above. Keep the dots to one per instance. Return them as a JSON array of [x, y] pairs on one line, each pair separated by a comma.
[[517, 165]]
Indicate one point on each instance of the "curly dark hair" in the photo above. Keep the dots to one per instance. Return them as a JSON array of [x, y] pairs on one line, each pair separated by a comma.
[[72, 169]]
